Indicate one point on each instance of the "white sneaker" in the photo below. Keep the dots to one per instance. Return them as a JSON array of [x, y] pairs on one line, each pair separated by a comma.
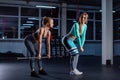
[[76, 72]]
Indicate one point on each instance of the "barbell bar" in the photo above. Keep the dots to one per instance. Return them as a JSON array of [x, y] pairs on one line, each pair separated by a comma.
[[25, 58]]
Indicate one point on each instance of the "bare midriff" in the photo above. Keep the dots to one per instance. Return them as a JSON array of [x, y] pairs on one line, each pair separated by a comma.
[[35, 38], [72, 36]]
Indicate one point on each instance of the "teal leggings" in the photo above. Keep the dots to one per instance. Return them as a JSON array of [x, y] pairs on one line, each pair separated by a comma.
[[69, 45]]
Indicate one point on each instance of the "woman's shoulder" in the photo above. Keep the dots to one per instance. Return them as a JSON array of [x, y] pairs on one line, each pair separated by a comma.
[[41, 29], [76, 24], [85, 24]]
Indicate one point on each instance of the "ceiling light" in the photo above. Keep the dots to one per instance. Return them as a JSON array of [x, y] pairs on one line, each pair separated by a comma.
[[112, 11], [39, 6], [25, 26], [32, 18], [28, 24]]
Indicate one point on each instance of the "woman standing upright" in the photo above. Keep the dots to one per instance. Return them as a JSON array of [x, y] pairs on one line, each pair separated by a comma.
[[77, 32]]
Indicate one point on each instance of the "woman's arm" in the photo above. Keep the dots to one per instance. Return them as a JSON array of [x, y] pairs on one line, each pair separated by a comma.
[[48, 45], [40, 43], [79, 38], [84, 36], [78, 35]]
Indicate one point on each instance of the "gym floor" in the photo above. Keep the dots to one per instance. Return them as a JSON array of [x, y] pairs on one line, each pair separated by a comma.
[[58, 69]]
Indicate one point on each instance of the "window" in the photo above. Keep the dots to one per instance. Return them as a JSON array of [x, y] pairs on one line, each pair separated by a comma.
[[28, 26], [116, 30], [55, 23], [50, 12], [98, 31], [90, 15], [8, 10], [8, 27], [116, 26], [69, 25], [90, 31], [56, 32], [98, 16], [71, 14], [30, 12], [29, 21]]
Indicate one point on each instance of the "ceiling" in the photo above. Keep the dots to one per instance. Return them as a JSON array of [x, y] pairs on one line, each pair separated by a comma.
[[85, 2], [97, 3], [82, 2]]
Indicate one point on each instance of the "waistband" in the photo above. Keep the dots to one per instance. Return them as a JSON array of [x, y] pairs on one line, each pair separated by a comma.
[[68, 36]]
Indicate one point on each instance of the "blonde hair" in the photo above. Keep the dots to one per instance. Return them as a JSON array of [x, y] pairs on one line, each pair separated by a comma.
[[86, 17], [46, 20], [80, 20]]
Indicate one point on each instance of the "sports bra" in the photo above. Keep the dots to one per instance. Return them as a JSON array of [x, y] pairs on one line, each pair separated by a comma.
[[36, 35]]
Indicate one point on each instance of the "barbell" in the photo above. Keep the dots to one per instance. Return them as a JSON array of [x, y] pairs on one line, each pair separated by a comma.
[[25, 58]]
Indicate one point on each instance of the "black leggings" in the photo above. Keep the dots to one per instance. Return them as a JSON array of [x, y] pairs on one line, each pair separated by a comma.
[[32, 47]]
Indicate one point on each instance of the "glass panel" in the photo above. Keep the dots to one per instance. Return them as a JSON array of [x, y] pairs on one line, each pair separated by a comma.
[[54, 33], [98, 31], [117, 30], [8, 27], [116, 25], [50, 12], [89, 33], [71, 14], [69, 25], [116, 15], [30, 12], [28, 26], [90, 15], [55, 23], [8, 10], [98, 16], [55, 30]]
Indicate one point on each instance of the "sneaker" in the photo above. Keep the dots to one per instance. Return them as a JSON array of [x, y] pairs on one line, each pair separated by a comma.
[[42, 72], [76, 72], [34, 74]]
